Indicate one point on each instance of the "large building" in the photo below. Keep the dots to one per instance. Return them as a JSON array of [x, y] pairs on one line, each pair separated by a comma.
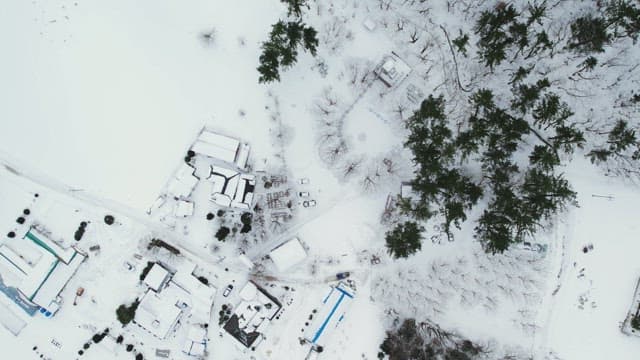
[[288, 254], [221, 161], [252, 315], [222, 148], [34, 269], [172, 295]]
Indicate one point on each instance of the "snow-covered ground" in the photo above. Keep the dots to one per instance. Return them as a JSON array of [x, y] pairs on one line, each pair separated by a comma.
[[101, 100]]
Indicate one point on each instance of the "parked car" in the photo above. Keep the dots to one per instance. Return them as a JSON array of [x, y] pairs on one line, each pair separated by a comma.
[[309, 203], [303, 181], [303, 194], [227, 290], [342, 275]]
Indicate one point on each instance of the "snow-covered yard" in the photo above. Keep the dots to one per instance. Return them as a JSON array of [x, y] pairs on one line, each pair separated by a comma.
[[101, 100]]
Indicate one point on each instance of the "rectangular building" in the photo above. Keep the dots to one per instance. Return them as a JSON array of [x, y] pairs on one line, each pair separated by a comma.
[[35, 269]]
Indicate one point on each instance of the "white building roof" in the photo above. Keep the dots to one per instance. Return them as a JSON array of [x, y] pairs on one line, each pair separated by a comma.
[[56, 281], [183, 183], [219, 140], [201, 295], [37, 266], [369, 24], [252, 315], [216, 146], [255, 308], [156, 277], [393, 70], [243, 155], [157, 313], [194, 349], [231, 188], [288, 254]]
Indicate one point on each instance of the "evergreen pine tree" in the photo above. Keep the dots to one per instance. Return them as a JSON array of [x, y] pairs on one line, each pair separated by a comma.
[[404, 240], [295, 7], [281, 50], [589, 34]]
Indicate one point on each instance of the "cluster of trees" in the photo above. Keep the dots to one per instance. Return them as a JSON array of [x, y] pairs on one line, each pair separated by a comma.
[[280, 51], [508, 152], [621, 143], [618, 19], [410, 341], [126, 313], [454, 171], [635, 322], [404, 240], [504, 29]]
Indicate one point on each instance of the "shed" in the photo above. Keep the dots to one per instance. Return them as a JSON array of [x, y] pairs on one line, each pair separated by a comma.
[[157, 277]]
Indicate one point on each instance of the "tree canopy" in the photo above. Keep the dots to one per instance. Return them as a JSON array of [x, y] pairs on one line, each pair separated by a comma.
[[404, 240]]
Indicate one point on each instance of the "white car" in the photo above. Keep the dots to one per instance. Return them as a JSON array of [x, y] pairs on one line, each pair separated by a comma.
[[303, 181], [309, 203], [303, 194], [227, 290]]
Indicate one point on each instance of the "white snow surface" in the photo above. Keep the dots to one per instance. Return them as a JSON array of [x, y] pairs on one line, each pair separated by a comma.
[[106, 98]]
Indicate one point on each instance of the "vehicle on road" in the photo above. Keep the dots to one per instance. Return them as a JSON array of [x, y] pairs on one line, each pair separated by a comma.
[[227, 290], [303, 181], [309, 203], [303, 194], [342, 275]]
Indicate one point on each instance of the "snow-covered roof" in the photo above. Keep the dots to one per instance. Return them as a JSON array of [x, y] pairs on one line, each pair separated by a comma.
[[243, 155], [252, 315], [158, 313], [56, 281], [37, 267], [183, 183], [288, 254], [223, 148], [216, 146], [201, 295], [156, 277], [65, 254], [369, 24], [192, 348], [393, 70], [231, 188], [196, 342]]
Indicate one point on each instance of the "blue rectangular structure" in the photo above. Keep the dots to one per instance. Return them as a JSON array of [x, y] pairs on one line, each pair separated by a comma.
[[334, 307]]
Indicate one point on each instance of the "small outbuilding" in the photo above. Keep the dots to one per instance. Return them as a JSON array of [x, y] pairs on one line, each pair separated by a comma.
[[157, 277], [392, 70]]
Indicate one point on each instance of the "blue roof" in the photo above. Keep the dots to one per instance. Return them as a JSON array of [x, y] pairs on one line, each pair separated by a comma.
[[343, 294]]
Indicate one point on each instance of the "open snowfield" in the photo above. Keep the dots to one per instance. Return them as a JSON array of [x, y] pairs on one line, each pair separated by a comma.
[[106, 96], [101, 100]]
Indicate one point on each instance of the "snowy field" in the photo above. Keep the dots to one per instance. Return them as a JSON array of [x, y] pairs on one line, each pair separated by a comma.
[[101, 100]]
